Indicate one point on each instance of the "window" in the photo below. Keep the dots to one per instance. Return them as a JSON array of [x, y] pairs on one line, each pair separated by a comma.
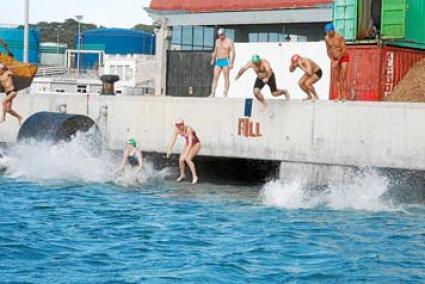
[[60, 90], [192, 38], [253, 37]]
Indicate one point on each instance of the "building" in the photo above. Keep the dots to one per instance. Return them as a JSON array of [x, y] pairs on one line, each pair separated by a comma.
[[53, 54], [114, 41], [192, 25], [14, 38]]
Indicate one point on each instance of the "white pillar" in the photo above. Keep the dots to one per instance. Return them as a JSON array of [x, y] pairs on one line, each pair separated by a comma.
[[26, 30], [162, 42]]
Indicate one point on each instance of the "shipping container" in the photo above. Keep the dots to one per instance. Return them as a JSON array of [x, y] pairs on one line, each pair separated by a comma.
[[415, 25], [375, 71], [363, 19], [234, 5], [396, 22]]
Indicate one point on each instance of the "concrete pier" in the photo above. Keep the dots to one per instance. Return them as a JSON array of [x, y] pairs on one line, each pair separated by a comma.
[[375, 134]]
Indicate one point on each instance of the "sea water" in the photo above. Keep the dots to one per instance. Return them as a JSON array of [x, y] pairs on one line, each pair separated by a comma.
[[66, 218]]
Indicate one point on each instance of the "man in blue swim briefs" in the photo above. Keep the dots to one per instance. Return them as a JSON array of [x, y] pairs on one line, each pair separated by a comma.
[[222, 60]]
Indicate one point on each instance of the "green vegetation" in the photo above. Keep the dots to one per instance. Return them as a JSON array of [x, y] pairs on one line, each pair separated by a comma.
[[68, 31]]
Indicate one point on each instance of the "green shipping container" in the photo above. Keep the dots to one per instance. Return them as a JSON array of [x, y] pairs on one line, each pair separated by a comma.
[[347, 14], [415, 25]]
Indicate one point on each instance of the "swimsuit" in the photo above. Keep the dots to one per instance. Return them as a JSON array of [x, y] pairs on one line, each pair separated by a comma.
[[222, 62], [272, 83], [319, 73], [195, 139], [344, 59], [133, 160]]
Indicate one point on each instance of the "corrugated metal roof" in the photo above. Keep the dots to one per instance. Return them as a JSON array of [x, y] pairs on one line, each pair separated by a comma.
[[233, 5]]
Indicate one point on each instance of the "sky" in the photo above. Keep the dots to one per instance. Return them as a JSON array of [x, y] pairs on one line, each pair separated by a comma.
[[108, 13]]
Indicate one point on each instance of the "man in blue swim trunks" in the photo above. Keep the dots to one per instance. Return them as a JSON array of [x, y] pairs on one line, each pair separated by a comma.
[[222, 59]]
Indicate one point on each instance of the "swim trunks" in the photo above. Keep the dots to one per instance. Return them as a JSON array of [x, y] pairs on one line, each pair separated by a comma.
[[222, 62], [344, 59], [272, 83], [319, 73]]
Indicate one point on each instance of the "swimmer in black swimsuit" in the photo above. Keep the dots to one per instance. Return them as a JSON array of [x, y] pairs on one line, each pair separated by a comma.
[[132, 156], [312, 74]]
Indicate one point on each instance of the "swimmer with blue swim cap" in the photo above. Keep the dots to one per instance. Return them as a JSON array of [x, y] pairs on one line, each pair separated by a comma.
[[337, 53], [265, 76]]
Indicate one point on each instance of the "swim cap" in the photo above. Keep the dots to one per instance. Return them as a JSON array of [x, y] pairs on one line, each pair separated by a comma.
[[179, 122], [132, 142], [329, 27], [220, 31], [295, 58], [255, 59]]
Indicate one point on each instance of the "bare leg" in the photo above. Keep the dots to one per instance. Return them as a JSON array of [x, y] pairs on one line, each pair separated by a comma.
[[6, 106], [343, 80], [217, 72], [182, 166], [226, 72], [337, 82], [303, 86], [309, 85], [260, 97], [192, 153]]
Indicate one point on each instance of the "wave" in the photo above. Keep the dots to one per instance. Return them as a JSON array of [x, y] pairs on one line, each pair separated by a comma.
[[73, 161], [367, 190]]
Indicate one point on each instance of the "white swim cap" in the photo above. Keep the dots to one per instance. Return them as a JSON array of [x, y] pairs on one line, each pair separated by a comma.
[[220, 31]]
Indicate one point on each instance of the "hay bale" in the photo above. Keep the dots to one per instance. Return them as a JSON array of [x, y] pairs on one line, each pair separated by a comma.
[[412, 87]]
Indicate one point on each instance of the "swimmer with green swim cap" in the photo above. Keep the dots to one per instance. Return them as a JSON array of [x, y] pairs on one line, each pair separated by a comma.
[[265, 75], [132, 157]]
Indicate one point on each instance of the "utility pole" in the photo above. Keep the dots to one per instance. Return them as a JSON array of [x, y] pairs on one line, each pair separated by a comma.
[[26, 30], [79, 18]]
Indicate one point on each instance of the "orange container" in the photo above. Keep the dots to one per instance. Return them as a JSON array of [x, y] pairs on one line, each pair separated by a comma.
[[375, 71]]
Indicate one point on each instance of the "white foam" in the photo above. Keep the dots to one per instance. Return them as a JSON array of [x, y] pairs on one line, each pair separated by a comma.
[[72, 161], [365, 191]]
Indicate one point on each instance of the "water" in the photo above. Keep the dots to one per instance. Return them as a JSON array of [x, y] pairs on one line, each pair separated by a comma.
[[65, 218]]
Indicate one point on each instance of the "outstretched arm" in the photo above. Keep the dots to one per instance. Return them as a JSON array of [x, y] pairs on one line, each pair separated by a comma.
[[124, 161], [242, 70], [171, 145]]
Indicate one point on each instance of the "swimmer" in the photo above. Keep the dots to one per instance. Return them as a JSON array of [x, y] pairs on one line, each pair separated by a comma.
[[265, 75], [191, 149], [312, 74], [132, 157], [337, 52], [222, 59], [6, 82]]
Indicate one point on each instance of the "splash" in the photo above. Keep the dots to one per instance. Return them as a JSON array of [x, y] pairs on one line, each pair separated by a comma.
[[367, 190], [74, 161]]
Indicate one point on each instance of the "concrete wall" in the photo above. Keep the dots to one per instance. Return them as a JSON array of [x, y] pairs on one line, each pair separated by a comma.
[[352, 133]]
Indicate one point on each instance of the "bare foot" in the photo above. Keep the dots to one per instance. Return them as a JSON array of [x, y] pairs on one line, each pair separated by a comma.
[[307, 99], [211, 96], [286, 94], [180, 178], [195, 180]]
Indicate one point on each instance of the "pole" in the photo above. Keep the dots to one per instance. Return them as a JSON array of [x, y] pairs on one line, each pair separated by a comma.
[[79, 47], [26, 30]]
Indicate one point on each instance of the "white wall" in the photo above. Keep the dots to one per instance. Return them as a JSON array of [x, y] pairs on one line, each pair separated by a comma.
[[374, 134], [279, 55]]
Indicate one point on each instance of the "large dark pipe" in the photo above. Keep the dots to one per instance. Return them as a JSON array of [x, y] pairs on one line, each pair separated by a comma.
[[56, 127]]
